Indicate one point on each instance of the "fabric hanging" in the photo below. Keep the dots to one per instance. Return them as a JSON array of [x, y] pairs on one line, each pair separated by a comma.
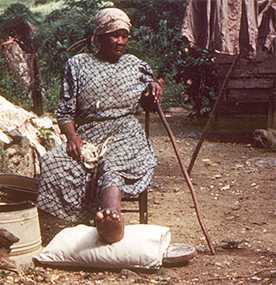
[[230, 26], [267, 24]]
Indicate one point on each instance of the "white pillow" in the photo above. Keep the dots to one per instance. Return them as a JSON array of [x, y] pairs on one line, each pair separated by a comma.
[[143, 246]]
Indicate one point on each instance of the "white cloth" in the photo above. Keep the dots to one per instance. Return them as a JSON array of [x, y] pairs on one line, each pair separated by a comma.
[[111, 19]]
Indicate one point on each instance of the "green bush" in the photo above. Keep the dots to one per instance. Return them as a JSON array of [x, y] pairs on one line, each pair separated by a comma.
[[53, 94], [161, 44], [46, 137]]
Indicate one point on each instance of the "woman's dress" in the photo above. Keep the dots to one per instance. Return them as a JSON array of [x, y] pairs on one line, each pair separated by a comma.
[[101, 98]]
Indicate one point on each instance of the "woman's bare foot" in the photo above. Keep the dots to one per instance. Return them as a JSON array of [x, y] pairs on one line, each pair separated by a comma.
[[110, 225], [109, 221]]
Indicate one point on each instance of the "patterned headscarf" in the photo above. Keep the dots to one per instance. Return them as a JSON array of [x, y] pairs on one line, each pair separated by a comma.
[[111, 19]]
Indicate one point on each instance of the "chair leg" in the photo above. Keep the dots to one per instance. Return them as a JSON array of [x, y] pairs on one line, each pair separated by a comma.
[[143, 207]]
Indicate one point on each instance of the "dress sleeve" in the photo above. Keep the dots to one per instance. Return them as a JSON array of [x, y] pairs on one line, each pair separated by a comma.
[[146, 72], [66, 109], [147, 102]]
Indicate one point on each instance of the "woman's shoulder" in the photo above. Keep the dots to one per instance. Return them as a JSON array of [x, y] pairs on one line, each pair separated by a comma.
[[133, 61], [79, 59], [131, 58]]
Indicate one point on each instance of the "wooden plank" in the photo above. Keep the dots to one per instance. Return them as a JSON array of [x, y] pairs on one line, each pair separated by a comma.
[[261, 66], [251, 83], [247, 95], [243, 108], [228, 59], [260, 70]]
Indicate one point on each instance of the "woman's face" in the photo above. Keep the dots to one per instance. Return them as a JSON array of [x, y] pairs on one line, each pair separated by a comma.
[[113, 45]]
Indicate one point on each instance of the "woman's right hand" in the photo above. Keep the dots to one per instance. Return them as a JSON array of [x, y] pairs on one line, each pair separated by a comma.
[[73, 147], [74, 142]]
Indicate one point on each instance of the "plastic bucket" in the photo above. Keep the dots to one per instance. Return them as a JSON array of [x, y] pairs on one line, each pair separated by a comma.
[[21, 219]]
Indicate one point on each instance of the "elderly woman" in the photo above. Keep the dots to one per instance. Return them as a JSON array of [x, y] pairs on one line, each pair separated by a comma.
[[99, 97]]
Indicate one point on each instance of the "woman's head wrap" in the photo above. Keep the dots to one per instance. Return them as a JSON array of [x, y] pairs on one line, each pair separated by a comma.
[[111, 19]]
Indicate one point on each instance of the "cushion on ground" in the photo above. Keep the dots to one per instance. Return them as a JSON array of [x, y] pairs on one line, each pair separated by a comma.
[[143, 246]]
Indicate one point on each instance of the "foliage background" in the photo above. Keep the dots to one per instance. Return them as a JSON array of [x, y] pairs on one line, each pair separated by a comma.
[[155, 38]]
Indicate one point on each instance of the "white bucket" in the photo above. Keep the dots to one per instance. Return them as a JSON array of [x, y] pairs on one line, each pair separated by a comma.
[[24, 224]]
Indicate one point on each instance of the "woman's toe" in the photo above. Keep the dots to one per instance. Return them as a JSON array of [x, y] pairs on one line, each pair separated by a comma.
[[99, 216], [115, 216]]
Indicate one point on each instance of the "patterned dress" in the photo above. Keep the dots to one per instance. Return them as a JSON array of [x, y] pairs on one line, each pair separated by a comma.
[[102, 99]]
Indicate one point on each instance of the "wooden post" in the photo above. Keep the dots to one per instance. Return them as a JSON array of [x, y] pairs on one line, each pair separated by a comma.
[[212, 115]]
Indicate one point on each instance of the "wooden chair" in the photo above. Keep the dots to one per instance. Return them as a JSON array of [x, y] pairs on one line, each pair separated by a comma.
[[141, 199], [20, 188]]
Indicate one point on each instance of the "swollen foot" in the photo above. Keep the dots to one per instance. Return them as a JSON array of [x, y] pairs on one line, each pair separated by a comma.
[[110, 225]]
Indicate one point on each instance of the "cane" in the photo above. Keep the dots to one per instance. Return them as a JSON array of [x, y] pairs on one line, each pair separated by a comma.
[[186, 176]]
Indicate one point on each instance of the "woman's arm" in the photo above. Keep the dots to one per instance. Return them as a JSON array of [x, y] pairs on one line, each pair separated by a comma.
[[67, 109], [154, 90], [74, 142]]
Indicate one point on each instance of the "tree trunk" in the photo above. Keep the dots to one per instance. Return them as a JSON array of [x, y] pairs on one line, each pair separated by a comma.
[[36, 86]]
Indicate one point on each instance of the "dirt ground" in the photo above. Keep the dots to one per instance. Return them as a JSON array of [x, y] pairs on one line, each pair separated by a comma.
[[235, 185]]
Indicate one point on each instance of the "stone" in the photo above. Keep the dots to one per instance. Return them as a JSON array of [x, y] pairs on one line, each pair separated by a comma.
[[42, 122], [5, 138]]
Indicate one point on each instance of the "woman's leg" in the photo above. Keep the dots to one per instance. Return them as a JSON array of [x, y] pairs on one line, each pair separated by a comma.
[[109, 220]]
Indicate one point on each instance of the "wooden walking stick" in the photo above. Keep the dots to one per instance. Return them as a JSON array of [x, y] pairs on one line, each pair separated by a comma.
[[186, 176], [212, 115]]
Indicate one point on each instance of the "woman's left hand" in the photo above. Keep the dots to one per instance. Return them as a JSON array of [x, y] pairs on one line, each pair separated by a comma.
[[155, 89], [151, 97]]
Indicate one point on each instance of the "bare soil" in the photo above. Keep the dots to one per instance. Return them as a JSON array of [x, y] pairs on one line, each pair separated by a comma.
[[235, 186]]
